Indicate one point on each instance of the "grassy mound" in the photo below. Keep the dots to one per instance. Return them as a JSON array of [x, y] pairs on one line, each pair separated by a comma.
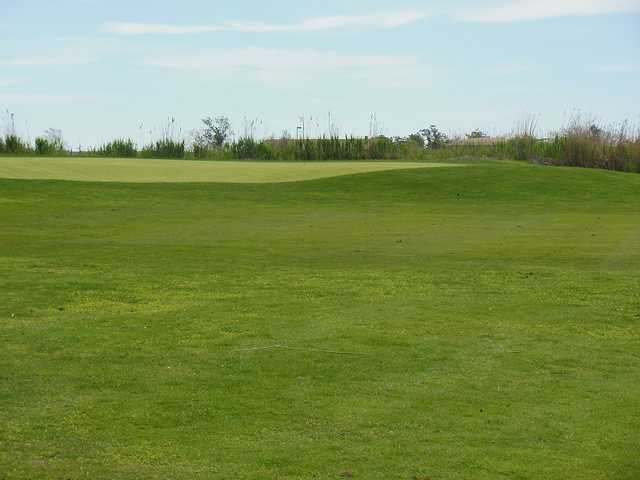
[[157, 171], [470, 323]]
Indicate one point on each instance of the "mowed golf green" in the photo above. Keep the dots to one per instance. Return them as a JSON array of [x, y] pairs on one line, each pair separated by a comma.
[[172, 171], [477, 323]]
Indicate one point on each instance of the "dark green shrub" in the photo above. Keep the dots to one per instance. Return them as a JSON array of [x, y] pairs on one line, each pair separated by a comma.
[[523, 147], [381, 148], [49, 147], [43, 147], [14, 145], [200, 151], [119, 148], [165, 148], [433, 137], [245, 148], [214, 133], [264, 151]]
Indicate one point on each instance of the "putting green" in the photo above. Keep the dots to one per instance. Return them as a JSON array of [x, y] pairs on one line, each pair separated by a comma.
[[158, 171]]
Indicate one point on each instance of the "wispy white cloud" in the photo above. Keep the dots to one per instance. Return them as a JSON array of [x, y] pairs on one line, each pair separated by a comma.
[[502, 12], [280, 67], [387, 20], [529, 10]]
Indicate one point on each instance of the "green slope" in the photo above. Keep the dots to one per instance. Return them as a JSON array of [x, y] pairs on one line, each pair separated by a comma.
[[157, 171], [472, 323]]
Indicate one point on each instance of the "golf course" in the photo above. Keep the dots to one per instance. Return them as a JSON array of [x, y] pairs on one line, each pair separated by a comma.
[[178, 171], [475, 320]]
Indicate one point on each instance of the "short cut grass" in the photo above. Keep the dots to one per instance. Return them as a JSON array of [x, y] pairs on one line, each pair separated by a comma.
[[455, 323], [172, 171]]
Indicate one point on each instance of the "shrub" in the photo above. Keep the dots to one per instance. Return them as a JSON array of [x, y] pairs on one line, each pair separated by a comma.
[[580, 144], [14, 145], [477, 133], [433, 137], [45, 146], [200, 151], [165, 148], [245, 148], [521, 147], [122, 148], [264, 151], [169, 145], [416, 139], [214, 133]]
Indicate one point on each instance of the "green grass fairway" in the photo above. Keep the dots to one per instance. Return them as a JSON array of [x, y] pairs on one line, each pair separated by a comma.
[[160, 171], [474, 323]]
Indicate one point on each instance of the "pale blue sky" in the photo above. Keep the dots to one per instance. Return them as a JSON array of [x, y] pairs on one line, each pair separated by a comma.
[[98, 69]]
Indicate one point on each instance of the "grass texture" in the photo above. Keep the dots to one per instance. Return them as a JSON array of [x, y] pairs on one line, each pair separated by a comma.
[[172, 171], [450, 323]]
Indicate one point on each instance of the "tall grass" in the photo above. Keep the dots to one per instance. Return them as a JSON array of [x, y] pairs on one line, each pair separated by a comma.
[[165, 148], [14, 145], [49, 147], [322, 149], [11, 143], [169, 145], [586, 144], [121, 147], [581, 143]]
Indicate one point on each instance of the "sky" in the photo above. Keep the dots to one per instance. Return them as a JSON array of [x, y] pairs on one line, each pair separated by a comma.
[[101, 69]]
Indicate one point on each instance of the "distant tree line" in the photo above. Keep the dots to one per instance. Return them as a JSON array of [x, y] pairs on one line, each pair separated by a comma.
[[581, 143]]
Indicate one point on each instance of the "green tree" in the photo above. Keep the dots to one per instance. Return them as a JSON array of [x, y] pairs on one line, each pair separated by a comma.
[[433, 138], [215, 132], [477, 133]]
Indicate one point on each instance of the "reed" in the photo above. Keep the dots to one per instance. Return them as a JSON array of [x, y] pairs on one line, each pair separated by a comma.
[[14, 145], [583, 142], [122, 147]]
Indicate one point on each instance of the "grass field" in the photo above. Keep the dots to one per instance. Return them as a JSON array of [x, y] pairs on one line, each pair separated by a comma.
[[474, 323], [172, 171]]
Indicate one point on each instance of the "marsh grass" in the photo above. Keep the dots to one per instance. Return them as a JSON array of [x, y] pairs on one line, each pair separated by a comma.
[[316, 149], [164, 148], [49, 147], [14, 145], [170, 144], [583, 142], [121, 148]]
